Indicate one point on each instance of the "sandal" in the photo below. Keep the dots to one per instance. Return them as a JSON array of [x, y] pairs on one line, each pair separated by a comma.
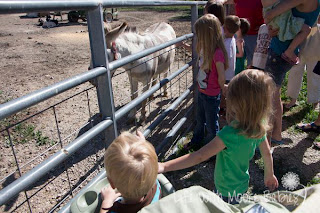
[[280, 142], [312, 127], [316, 144], [287, 59]]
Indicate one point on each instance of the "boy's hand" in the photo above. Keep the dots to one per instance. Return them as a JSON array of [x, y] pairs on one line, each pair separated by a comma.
[[140, 135], [271, 182], [160, 168], [108, 193]]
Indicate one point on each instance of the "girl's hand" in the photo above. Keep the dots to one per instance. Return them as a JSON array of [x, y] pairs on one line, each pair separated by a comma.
[[271, 182], [160, 168], [225, 90]]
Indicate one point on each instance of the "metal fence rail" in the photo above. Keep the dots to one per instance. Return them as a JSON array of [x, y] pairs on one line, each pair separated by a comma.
[[9, 6], [101, 72]]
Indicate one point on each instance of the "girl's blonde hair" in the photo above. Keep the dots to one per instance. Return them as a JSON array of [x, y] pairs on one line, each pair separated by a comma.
[[249, 102], [209, 38], [132, 165]]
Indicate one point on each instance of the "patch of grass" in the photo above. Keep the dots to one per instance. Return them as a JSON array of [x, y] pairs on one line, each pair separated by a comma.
[[260, 163], [315, 180], [304, 112], [23, 133]]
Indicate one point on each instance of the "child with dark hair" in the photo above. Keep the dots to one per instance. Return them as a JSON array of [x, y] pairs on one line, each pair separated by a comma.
[[241, 55], [216, 8]]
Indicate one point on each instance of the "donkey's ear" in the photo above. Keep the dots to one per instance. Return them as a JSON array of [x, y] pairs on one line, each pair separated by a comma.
[[107, 27], [114, 33]]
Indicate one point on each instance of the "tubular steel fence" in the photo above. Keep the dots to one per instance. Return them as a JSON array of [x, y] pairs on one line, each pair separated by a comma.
[[66, 161]]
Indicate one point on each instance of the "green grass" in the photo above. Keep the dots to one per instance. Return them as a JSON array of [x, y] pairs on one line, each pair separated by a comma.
[[21, 133], [304, 112], [315, 180]]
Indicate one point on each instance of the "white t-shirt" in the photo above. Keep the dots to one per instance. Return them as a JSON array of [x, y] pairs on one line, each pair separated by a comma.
[[230, 44]]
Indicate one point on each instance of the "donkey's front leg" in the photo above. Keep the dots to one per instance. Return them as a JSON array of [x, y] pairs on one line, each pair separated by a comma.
[[146, 87], [134, 94]]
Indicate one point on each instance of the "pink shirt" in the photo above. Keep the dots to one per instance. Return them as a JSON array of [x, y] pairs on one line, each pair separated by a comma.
[[213, 88]]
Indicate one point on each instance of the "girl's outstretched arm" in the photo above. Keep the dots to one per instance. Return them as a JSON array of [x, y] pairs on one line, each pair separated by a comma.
[[270, 179], [188, 160], [282, 7]]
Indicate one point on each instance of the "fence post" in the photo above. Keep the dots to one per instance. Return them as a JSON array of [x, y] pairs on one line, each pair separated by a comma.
[[99, 57], [195, 68]]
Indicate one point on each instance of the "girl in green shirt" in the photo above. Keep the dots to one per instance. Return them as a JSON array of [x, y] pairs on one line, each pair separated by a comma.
[[249, 108]]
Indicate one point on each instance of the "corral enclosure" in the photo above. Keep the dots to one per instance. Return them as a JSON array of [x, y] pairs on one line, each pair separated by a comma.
[[34, 57]]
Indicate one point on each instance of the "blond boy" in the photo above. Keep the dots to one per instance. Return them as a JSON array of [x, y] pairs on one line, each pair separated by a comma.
[[132, 167]]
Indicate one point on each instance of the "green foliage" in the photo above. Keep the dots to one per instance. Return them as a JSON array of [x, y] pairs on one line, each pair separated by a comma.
[[23, 133], [315, 180], [304, 112], [260, 163]]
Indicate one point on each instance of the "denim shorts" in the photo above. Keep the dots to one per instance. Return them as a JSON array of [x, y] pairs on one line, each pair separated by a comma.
[[277, 67]]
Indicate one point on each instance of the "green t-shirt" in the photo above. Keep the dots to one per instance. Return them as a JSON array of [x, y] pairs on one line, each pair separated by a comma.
[[231, 173]]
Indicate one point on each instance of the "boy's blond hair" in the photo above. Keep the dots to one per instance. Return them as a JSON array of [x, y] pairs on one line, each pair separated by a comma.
[[249, 102], [209, 38], [232, 23], [131, 165]]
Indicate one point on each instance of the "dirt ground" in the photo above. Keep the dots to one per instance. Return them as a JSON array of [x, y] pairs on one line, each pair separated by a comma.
[[32, 57]]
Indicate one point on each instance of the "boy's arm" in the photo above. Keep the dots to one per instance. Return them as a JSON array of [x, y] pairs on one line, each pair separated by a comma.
[[108, 195], [221, 75], [282, 7], [215, 146], [270, 179]]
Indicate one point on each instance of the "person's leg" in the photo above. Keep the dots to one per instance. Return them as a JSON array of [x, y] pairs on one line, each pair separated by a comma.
[[277, 68], [294, 83], [277, 115], [250, 42], [313, 83], [300, 37], [198, 133], [211, 108]]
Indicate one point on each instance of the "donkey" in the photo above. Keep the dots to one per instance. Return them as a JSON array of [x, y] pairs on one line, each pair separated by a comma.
[[121, 43]]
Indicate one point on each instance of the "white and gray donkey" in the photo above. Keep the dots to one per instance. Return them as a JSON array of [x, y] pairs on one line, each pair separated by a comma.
[[121, 43]]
